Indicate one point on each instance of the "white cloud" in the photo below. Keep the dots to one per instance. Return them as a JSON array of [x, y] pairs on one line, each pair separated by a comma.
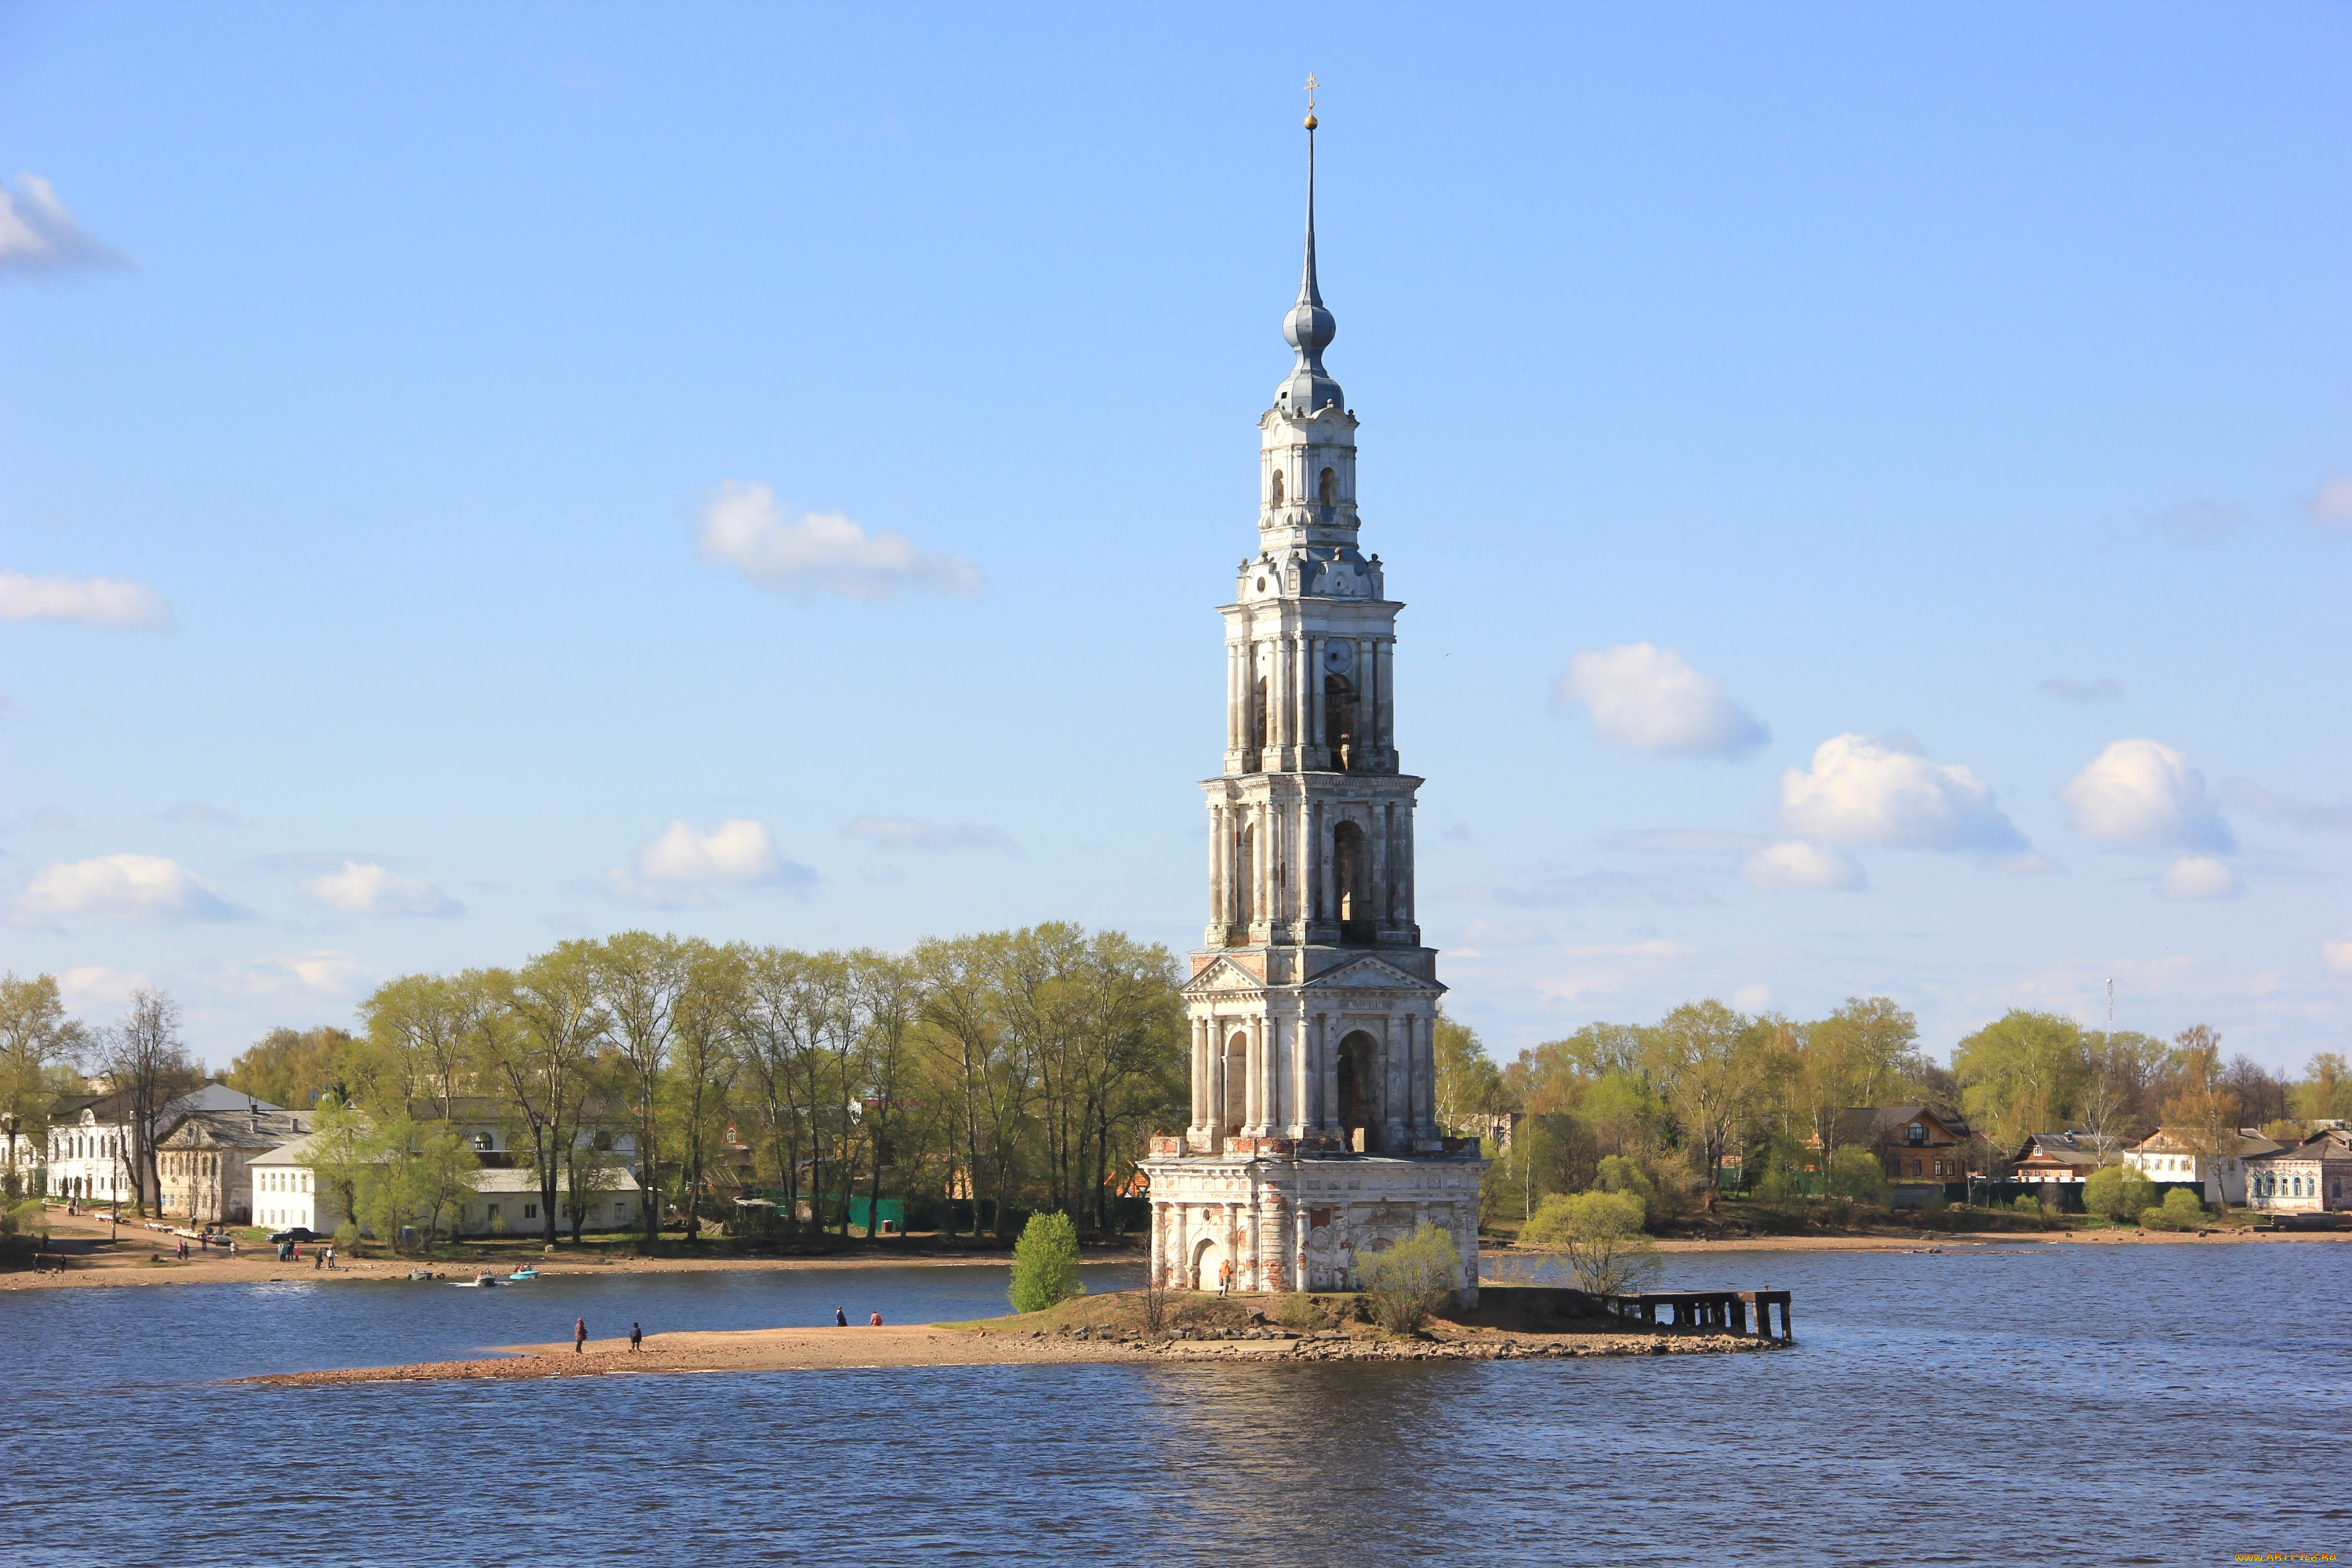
[[322, 972], [673, 870], [1648, 698], [2331, 503], [2337, 952], [126, 887], [2144, 793], [39, 234], [97, 989], [107, 602], [1752, 998], [1797, 865], [364, 887], [1882, 792], [820, 552], [2106, 689], [906, 833], [2200, 876]]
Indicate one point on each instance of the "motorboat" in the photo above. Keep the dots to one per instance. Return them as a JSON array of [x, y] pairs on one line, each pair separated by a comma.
[[478, 1283], [523, 1273]]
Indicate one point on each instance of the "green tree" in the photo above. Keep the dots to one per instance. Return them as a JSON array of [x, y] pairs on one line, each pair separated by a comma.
[[2020, 1075], [2179, 1211], [2117, 1192], [294, 1067], [416, 1032], [540, 1039], [641, 979], [1708, 1061], [36, 1040], [1854, 1173], [1855, 1056], [2325, 1092], [1608, 1254], [1469, 1085], [1407, 1282], [337, 1153], [1045, 1263]]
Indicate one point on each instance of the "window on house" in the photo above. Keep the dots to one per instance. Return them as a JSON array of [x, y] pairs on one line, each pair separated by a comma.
[[530, 1211], [1915, 1133]]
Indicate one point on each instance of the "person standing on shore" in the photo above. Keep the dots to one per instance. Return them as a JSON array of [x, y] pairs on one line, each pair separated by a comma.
[[637, 1338], [579, 1335]]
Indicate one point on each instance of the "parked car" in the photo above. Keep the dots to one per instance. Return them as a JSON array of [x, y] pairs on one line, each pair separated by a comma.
[[299, 1233]]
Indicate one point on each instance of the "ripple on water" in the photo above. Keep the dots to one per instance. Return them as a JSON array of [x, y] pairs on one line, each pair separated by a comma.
[[2051, 1408]]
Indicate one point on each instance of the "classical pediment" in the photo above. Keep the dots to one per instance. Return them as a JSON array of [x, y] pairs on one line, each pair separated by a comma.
[[1224, 975], [1371, 975]]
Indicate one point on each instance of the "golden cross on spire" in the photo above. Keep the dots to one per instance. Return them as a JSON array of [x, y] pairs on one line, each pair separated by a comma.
[[1310, 100]]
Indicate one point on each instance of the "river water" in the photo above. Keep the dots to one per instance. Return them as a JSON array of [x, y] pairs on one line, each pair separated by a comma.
[[2135, 1404]]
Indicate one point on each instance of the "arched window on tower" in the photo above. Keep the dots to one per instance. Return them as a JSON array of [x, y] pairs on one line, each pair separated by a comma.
[[1351, 868], [1339, 722], [1330, 488], [1258, 714], [1275, 497]]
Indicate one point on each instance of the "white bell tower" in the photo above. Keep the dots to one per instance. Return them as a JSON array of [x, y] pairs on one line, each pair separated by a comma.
[[1312, 1000]]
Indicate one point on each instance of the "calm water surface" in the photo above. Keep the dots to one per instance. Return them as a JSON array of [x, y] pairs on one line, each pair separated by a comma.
[[2073, 1404]]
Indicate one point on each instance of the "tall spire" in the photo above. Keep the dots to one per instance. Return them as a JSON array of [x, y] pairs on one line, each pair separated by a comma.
[[1308, 328]]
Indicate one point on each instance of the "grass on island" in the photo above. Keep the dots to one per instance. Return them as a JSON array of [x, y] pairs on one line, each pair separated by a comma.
[[1501, 1310]]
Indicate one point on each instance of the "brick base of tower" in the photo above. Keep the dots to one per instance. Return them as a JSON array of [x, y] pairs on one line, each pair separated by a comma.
[[1282, 1219]]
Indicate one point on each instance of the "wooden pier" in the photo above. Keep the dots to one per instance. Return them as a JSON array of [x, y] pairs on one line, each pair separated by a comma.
[[1723, 1310]]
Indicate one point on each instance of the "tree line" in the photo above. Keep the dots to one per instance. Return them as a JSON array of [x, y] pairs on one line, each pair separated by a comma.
[[989, 1074], [1671, 1100]]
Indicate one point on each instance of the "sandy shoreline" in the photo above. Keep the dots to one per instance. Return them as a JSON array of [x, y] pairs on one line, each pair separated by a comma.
[[923, 1345], [128, 1264]]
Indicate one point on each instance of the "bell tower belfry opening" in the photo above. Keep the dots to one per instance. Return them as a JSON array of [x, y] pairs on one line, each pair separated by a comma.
[[1313, 1139]]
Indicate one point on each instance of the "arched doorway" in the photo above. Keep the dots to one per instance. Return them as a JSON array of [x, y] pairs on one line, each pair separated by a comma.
[[1349, 867], [1206, 1255], [1359, 1090]]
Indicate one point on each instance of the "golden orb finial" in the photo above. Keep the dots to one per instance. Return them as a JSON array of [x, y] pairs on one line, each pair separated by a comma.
[[1310, 100]]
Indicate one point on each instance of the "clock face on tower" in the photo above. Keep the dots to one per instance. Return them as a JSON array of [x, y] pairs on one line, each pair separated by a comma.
[[1338, 656]]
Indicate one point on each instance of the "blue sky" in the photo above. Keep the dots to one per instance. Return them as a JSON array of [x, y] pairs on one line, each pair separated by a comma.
[[1872, 487]]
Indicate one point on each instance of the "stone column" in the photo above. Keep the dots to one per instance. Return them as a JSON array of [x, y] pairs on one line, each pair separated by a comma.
[[1384, 655], [1217, 1085], [1301, 1077], [1392, 1111], [1182, 1280], [1252, 1275], [1328, 1050], [1202, 1033], [1377, 842], [1310, 699], [1233, 690], [1249, 1077], [1405, 873]]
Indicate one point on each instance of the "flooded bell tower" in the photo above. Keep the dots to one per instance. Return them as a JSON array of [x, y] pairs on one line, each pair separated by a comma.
[[1313, 1139]]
